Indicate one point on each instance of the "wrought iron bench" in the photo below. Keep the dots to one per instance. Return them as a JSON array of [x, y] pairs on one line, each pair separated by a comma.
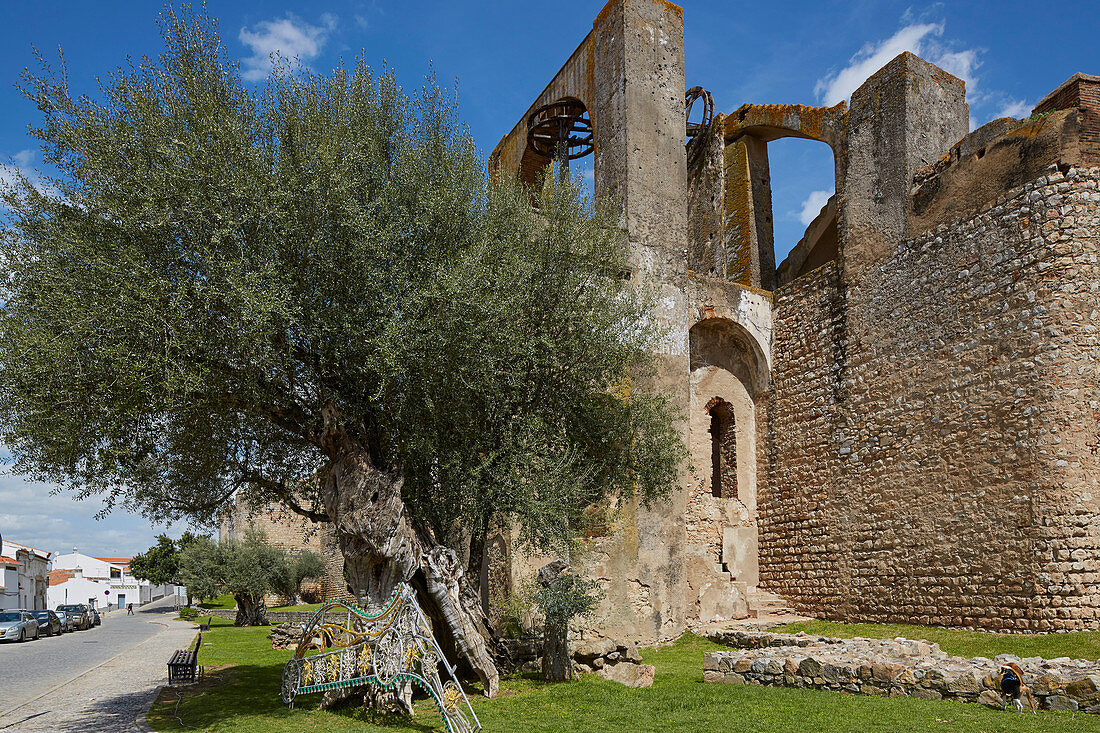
[[184, 664]]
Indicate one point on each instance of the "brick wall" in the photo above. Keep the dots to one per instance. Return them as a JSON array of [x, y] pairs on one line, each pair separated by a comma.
[[1081, 91]]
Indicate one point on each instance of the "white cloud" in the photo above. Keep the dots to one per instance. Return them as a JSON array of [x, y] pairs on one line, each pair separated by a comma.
[[58, 522], [811, 207], [1015, 108], [23, 163], [917, 38], [960, 63], [871, 58], [291, 37]]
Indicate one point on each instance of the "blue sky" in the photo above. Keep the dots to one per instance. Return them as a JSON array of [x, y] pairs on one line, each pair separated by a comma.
[[501, 55]]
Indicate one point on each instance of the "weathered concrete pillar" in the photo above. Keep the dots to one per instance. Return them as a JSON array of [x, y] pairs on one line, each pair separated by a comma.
[[907, 115], [749, 256], [639, 133]]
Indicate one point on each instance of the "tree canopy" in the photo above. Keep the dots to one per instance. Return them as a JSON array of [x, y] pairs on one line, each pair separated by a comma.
[[247, 567], [160, 564], [225, 287]]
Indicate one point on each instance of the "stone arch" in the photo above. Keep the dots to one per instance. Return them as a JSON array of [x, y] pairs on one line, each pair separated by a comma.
[[747, 132], [729, 374], [719, 340]]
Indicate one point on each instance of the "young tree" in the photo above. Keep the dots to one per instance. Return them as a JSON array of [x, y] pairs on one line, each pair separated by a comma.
[[248, 568], [560, 596], [305, 564], [200, 570], [159, 564], [313, 294]]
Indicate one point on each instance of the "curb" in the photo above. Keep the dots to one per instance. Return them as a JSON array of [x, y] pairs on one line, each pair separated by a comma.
[[139, 721]]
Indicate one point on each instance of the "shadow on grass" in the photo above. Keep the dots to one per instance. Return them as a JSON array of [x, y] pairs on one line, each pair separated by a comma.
[[246, 697]]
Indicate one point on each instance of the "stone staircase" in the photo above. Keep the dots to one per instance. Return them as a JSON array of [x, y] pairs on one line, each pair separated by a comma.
[[765, 603], [766, 609]]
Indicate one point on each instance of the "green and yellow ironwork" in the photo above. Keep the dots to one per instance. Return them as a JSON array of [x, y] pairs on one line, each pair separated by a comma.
[[344, 646]]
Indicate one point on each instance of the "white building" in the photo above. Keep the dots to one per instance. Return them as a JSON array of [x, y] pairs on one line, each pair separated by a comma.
[[104, 582], [24, 576]]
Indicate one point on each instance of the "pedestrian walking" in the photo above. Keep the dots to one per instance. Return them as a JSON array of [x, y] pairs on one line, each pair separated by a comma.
[[129, 609]]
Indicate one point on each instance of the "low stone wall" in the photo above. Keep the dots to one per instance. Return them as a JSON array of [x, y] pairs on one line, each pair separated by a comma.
[[275, 617], [897, 667]]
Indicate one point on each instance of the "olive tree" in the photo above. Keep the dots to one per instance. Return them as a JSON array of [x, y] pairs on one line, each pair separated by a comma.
[[312, 293], [298, 567], [248, 568], [198, 568]]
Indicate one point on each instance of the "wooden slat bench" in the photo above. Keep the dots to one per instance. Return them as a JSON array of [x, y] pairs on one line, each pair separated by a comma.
[[184, 664]]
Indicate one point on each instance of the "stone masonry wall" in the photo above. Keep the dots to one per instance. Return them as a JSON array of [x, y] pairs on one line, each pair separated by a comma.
[[898, 668], [940, 467], [954, 362], [800, 538], [1067, 510], [294, 533]]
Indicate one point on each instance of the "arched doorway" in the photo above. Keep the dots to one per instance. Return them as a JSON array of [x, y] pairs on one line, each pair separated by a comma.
[[729, 374]]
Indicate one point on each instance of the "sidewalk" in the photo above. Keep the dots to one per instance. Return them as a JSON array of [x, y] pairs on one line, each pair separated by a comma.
[[112, 695]]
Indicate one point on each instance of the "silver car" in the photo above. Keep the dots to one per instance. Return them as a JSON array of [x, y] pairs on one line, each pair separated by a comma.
[[82, 618], [66, 621], [17, 626]]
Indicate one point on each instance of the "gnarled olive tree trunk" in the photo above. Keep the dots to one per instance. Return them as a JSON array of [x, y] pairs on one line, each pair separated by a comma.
[[382, 548], [251, 610]]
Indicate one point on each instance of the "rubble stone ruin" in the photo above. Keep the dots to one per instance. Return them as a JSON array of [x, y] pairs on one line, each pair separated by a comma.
[[900, 422]]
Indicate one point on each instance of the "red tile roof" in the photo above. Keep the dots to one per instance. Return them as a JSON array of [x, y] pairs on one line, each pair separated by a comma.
[[9, 561], [116, 560], [57, 577]]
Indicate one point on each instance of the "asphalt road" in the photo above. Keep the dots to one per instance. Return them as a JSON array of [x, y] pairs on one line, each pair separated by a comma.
[[31, 668]]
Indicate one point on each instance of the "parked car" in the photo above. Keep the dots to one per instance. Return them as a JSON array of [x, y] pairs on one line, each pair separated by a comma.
[[82, 617], [67, 624], [49, 624], [17, 626], [96, 620]]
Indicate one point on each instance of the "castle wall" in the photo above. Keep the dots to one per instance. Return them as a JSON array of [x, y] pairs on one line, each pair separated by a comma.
[[804, 553], [942, 467], [294, 533]]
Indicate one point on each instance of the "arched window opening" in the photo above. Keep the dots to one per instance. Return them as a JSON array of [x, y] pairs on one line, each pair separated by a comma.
[[803, 184], [723, 449]]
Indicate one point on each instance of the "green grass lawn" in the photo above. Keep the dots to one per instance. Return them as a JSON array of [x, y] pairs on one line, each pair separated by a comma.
[[243, 698], [310, 607], [228, 601], [1078, 644]]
